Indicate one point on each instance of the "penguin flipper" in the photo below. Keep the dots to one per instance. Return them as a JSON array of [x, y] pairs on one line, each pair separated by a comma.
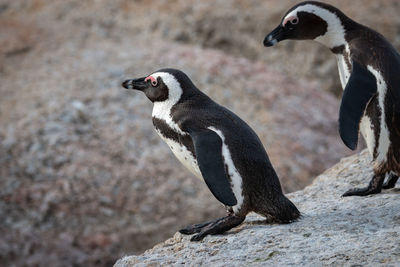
[[208, 148], [360, 88]]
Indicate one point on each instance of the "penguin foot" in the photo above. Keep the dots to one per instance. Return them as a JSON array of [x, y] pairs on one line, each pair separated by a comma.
[[219, 226], [195, 228], [391, 181], [374, 187], [361, 192]]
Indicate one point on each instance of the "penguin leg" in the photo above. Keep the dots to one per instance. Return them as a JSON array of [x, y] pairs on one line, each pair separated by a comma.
[[374, 187], [391, 181], [219, 226], [196, 228]]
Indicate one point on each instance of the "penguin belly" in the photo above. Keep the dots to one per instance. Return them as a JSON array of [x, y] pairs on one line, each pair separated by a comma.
[[367, 131], [183, 155]]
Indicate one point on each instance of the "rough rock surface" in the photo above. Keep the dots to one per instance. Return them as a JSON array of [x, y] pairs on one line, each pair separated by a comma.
[[352, 231]]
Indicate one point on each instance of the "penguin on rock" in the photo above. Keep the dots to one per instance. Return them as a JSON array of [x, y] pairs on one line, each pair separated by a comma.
[[217, 146], [369, 70]]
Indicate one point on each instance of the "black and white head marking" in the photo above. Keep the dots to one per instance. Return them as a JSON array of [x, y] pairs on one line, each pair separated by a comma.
[[320, 22], [162, 109], [164, 90], [334, 34], [310, 20]]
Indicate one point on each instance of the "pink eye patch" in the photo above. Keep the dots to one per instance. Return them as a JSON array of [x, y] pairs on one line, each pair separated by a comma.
[[292, 19], [152, 80]]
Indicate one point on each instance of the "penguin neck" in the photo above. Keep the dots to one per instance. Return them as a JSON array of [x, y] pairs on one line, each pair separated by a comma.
[[335, 34], [332, 39], [163, 110]]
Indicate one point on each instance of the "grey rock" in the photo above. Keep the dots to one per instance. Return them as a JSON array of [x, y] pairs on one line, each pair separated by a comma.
[[332, 231]]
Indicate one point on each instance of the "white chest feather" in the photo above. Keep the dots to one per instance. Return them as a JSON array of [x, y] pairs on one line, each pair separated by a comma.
[[162, 111], [183, 155]]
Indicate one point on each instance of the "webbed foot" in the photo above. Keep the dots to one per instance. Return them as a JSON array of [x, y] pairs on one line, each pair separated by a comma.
[[374, 187], [215, 227]]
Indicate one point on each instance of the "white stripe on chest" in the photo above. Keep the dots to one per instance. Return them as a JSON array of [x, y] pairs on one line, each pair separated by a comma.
[[344, 71], [236, 179], [384, 141]]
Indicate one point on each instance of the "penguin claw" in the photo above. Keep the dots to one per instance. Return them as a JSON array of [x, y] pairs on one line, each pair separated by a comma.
[[391, 182], [388, 185], [197, 238]]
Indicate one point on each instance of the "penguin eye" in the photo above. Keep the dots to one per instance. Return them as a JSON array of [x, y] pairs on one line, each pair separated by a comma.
[[153, 81], [294, 21]]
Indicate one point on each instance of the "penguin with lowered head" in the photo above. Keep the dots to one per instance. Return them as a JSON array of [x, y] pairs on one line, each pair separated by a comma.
[[369, 70], [216, 146]]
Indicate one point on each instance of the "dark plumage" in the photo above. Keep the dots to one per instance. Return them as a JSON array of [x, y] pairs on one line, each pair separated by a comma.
[[219, 147]]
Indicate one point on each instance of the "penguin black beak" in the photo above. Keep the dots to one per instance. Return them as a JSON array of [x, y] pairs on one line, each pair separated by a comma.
[[138, 84], [277, 35]]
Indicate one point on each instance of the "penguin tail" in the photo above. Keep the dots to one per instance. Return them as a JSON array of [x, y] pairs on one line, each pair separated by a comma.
[[281, 210], [286, 211]]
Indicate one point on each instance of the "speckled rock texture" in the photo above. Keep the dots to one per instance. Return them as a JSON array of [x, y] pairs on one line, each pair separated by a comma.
[[352, 231]]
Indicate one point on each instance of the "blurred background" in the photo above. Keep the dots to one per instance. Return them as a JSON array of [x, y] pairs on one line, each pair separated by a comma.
[[84, 178]]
